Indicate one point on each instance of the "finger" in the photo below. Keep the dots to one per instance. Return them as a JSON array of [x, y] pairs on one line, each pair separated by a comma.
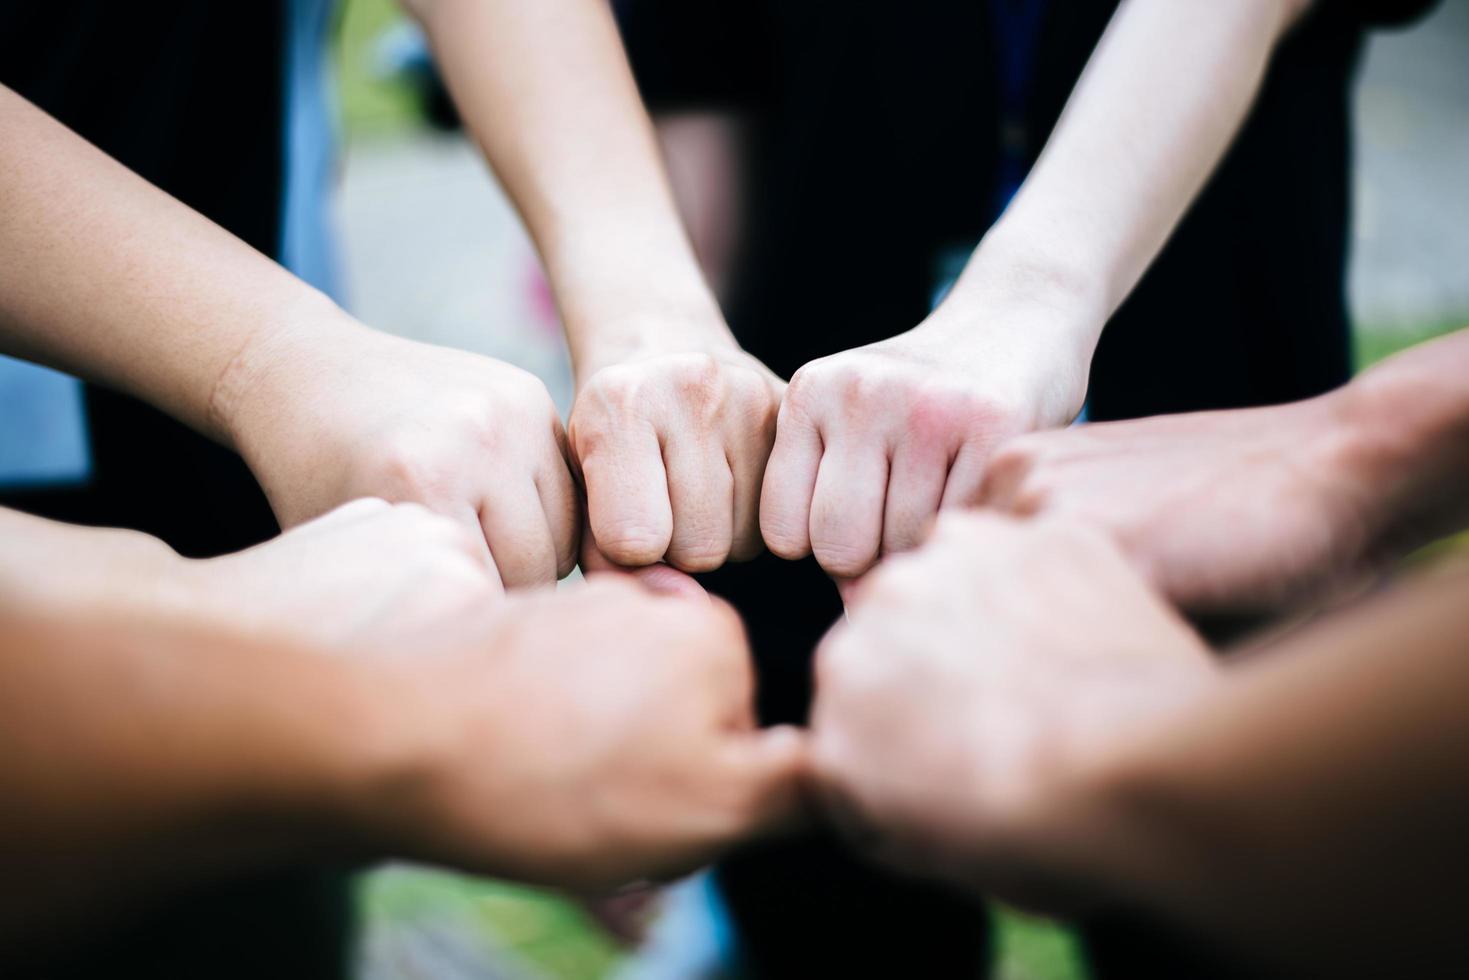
[[774, 766], [701, 491], [966, 476], [519, 538], [631, 518], [850, 590], [1006, 485], [748, 457], [562, 506], [915, 490], [658, 578], [847, 507], [789, 483]]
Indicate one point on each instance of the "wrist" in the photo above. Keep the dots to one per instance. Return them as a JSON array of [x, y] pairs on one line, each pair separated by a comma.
[[1013, 269], [637, 334], [277, 360]]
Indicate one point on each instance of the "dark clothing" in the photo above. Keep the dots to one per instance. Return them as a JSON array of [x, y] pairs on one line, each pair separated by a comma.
[[188, 95], [877, 149]]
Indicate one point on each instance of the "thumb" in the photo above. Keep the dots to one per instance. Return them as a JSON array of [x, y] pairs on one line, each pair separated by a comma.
[[660, 578], [774, 766]]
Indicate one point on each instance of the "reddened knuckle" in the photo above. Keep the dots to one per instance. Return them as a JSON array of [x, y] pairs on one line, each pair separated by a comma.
[[938, 415]]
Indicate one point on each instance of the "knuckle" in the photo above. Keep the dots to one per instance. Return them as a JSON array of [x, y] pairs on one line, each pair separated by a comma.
[[613, 390], [699, 386], [632, 543], [405, 472], [843, 556], [785, 537], [702, 557], [938, 415]]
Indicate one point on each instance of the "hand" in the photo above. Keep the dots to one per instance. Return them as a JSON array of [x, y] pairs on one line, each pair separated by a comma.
[[671, 447], [368, 577], [1239, 510], [972, 680], [600, 735], [340, 412], [873, 442]]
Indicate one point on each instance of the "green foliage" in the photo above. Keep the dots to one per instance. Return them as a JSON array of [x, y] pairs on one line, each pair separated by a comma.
[[370, 106]]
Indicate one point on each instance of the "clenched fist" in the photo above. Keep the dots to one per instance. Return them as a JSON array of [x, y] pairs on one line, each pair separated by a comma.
[[958, 706], [873, 442], [671, 447], [345, 412], [598, 735]]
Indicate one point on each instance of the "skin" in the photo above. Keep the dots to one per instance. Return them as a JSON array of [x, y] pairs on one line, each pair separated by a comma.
[[385, 705], [1254, 510], [672, 422], [368, 577], [115, 281], [874, 441], [1062, 741]]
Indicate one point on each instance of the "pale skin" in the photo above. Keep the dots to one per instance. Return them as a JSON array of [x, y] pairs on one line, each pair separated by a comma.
[[158, 736], [672, 422], [873, 442], [111, 279], [1259, 509], [1061, 740]]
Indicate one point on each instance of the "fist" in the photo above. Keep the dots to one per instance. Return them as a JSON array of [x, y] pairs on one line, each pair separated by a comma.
[[961, 697], [599, 735], [873, 442], [470, 438], [671, 450]]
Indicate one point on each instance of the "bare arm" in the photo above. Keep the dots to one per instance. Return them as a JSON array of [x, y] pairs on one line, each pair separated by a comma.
[[1258, 509], [547, 92], [141, 755], [673, 421], [109, 277], [1009, 350], [1162, 97], [1322, 775], [352, 690], [1011, 707]]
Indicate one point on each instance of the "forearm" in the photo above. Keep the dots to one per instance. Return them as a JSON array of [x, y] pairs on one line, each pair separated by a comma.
[[143, 754], [110, 278], [546, 90], [1157, 106], [1318, 778]]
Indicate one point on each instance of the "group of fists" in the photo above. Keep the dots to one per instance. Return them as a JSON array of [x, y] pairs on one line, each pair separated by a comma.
[[607, 731]]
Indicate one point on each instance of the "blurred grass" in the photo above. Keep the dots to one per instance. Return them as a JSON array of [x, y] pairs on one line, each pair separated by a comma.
[[370, 106], [548, 933]]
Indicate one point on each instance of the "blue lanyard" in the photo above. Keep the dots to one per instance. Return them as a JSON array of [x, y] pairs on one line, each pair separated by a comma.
[[1017, 27]]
